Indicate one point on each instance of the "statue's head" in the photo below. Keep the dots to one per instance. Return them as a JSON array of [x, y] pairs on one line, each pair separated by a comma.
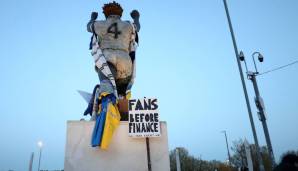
[[112, 8]]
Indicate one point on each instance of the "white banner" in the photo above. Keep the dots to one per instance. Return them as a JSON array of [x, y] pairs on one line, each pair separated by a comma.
[[143, 118]]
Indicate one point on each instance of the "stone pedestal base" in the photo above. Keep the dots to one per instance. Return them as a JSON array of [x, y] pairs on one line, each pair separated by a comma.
[[124, 153]]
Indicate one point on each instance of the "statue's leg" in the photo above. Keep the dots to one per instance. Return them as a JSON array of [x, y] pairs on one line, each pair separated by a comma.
[[122, 85]]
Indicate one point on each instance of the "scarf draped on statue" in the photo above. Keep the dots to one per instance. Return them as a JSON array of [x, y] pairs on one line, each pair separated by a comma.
[[108, 116]]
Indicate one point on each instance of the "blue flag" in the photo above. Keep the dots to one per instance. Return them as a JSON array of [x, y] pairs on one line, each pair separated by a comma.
[[99, 124]]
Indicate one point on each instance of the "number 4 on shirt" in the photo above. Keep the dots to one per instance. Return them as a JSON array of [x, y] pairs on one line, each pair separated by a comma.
[[114, 30]]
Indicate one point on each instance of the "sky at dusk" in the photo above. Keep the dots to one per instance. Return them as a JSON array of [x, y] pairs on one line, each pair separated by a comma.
[[185, 59]]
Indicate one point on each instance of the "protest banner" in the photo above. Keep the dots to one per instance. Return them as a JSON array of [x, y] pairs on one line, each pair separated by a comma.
[[143, 118]]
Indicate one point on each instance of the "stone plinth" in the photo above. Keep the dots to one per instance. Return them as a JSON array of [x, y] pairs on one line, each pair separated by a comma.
[[124, 153]]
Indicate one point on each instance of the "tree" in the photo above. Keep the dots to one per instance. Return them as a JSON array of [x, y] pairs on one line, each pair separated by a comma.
[[239, 157], [289, 162], [191, 163], [187, 162], [289, 152]]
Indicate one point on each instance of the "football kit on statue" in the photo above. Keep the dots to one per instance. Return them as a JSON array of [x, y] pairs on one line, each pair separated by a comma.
[[112, 46]]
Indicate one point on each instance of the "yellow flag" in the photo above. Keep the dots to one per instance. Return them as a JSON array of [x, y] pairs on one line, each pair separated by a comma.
[[111, 124]]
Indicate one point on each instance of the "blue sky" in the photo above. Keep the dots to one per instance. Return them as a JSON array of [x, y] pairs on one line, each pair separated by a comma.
[[185, 59]]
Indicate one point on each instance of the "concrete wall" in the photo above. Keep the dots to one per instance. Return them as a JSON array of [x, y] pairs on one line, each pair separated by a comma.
[[124, 153]]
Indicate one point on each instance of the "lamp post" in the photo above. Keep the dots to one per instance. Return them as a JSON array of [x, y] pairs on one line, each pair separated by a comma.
[[40, 144], [229, 156], [238, 56], [251, 75], [178, 166], [31, 161]]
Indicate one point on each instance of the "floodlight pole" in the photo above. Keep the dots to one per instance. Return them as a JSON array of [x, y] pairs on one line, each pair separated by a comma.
[[261, 166]]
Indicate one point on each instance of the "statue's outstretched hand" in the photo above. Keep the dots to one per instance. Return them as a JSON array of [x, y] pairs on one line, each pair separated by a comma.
[[135, 14], [94, 16]]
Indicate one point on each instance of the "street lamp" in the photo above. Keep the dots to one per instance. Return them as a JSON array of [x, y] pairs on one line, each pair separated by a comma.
[[238, 58], [40, 145], [251, 75], [229, 156], [31, 161]]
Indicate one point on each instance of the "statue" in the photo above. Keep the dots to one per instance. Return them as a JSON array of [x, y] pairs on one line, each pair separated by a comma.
[[117, 41], [113, 45]]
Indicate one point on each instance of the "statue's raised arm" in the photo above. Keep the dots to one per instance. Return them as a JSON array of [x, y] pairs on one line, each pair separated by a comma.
[[92, 20], [135, 15]]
